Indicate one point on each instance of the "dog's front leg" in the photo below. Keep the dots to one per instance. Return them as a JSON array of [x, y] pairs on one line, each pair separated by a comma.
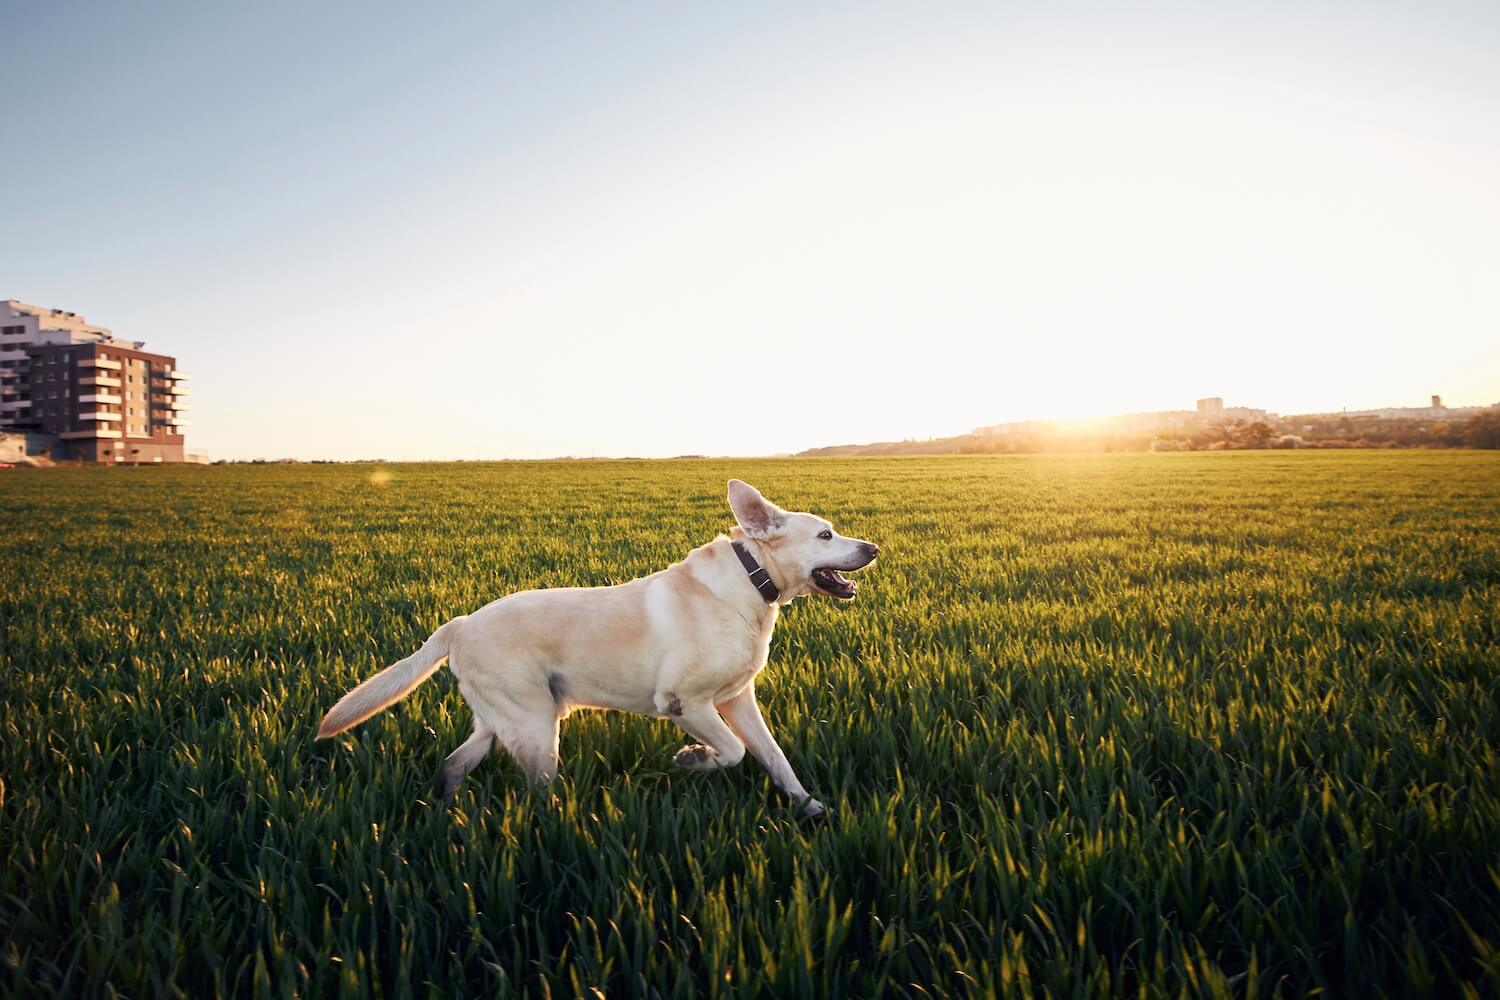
[[743, 714], [717, 746]]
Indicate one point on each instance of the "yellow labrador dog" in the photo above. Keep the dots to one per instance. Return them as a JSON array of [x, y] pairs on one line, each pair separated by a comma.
[[684, 643]]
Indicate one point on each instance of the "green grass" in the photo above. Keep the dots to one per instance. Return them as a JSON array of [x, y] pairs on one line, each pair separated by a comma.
[[1164, 723]]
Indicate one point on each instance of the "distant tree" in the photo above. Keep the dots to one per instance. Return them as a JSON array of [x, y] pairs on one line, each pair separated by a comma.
[[1482, 431], [1256, 435]]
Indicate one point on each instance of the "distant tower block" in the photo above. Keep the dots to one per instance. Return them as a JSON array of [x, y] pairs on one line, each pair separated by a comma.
[[1437, 402], [1211, 408]]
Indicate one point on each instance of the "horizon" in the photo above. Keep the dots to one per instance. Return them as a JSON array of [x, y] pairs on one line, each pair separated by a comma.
[[601, 232], [1080, 426]]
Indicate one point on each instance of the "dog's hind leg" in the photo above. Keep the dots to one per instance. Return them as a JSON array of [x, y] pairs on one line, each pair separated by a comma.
[[534, 746], [467, 757], [524, 718], [529, 731]]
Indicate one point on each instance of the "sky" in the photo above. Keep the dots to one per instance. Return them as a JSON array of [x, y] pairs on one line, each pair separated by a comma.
[[430, 231]]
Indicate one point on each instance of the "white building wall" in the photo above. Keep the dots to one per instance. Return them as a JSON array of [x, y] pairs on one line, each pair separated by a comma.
[[39, 325]]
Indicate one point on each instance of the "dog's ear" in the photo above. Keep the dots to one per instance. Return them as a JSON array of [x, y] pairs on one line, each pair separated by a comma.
[[757, 515]]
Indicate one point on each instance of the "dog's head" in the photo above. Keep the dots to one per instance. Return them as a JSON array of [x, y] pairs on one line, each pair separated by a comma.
[[805, 554]]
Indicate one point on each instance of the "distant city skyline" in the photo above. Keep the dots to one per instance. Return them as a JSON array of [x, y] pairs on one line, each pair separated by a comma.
[[1218, 407], [655, 231]]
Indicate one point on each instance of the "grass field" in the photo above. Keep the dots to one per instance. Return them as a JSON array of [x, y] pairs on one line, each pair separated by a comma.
[[1223, 723]]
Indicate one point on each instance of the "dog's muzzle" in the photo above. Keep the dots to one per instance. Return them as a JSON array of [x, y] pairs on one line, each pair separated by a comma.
[[832, 581]]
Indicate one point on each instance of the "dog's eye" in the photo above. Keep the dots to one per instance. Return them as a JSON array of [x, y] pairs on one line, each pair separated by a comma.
[[826, 535]]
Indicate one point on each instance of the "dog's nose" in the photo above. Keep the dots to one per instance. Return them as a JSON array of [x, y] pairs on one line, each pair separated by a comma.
[[873, 549]]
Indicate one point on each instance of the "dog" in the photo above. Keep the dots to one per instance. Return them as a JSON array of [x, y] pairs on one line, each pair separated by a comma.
[[685, 643]]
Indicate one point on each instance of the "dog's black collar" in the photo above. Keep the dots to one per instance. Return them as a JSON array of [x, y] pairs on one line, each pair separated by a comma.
[[758, 574]]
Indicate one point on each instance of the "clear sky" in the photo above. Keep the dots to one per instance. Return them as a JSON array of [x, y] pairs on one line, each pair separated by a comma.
[[494, 230]]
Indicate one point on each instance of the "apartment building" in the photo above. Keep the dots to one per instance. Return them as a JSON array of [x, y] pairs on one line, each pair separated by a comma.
[[23, 326], [103, 399]]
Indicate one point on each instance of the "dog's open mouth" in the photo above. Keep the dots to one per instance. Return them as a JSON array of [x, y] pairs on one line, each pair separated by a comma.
[[833, 583]]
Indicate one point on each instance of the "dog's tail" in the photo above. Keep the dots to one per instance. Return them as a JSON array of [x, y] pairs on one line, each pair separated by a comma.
[[389, 686]]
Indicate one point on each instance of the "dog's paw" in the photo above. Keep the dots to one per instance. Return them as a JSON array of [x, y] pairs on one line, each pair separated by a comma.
[[812, 807], [444, 789], [695, 757]]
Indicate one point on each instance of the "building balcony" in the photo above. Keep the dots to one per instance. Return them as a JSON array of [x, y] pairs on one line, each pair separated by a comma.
[[13, 354], [113, 366], [100, 380], [179, 390], [174, 373], [96, 415], [96, 432], [101, 397]]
